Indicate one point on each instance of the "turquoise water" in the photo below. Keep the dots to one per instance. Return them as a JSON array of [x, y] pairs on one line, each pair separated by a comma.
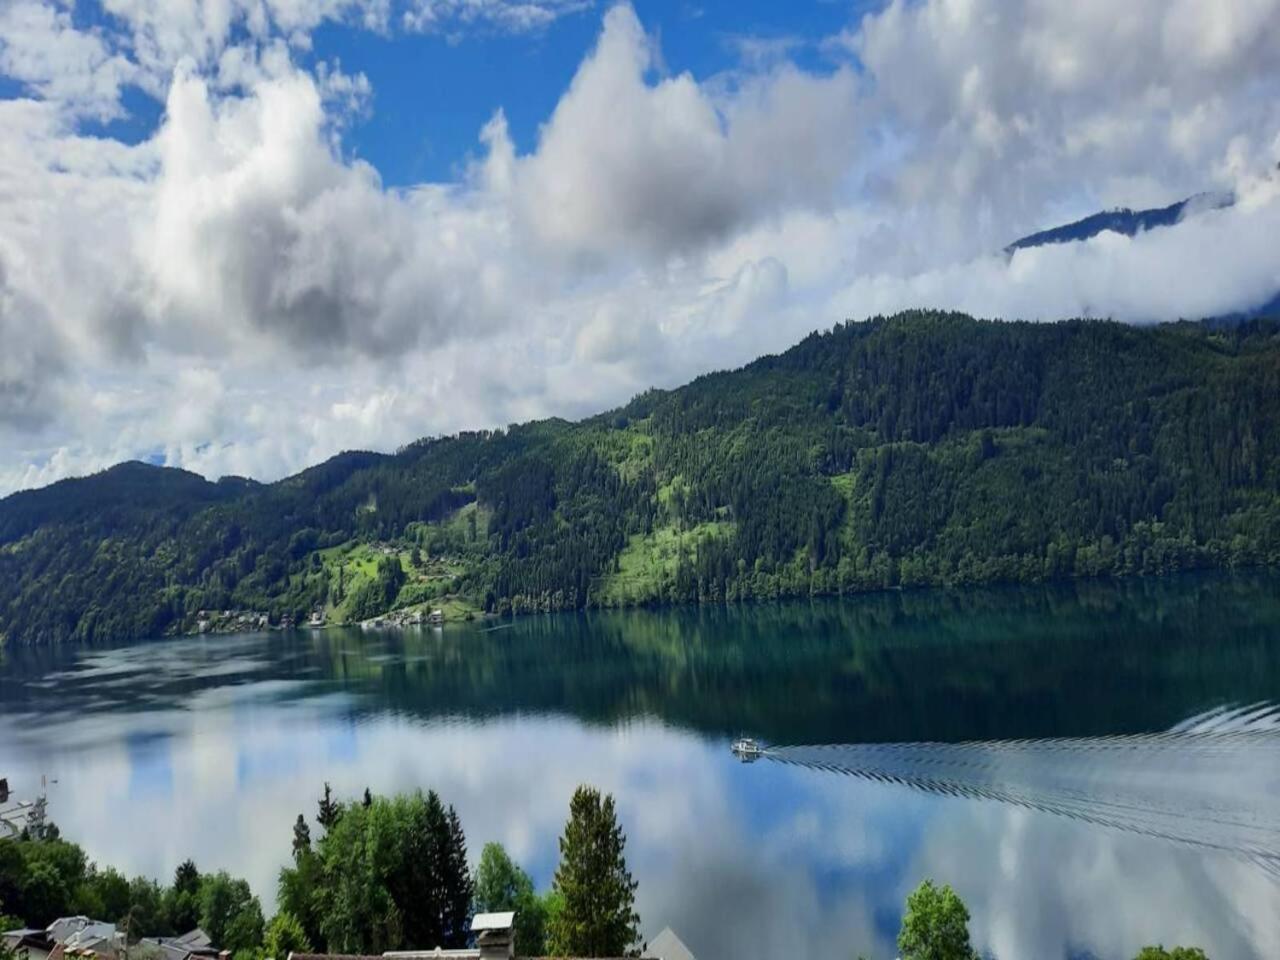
[[1014, 742]]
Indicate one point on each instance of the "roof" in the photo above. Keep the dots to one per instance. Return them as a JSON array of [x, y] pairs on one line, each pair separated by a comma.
[[194, 939], [667, 946], [493, 921]]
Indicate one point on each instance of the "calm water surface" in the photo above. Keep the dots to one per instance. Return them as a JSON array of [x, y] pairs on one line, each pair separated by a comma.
[[891, 717]]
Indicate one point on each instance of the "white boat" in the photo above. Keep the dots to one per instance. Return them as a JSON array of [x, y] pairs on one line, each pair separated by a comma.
[[747, 749]]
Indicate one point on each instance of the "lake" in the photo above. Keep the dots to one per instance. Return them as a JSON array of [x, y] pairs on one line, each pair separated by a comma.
[[1015, 743]]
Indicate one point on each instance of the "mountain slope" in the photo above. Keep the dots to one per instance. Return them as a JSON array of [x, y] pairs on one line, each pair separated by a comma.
[[923, 448], [1124, 221]]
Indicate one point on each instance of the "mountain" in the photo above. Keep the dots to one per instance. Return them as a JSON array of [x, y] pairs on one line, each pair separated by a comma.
[[924, 448], [1125, 221]]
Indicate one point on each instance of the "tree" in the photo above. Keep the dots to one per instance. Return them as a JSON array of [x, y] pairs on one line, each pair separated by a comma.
[[1173, 953], [935, 926], [330, 809], [110, 891], [298, 893], [146, 916], [501, 885], [456, 885], [284, 936], [598, 918], [182, 900], [45, 896], [229, 912], [7, 923], [301, 837], [389, 875]]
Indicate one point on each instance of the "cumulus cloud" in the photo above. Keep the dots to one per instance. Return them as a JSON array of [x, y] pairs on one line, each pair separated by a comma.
[[628, 166], [240, 266], [1003, 106]]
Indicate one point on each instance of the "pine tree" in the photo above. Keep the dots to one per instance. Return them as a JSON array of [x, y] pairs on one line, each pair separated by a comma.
[[598, 918], [301, 837], [182, 900], [456, 884], [330, 809]]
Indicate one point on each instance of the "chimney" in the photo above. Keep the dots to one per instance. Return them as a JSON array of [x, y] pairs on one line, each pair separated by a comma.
[[495, 935]]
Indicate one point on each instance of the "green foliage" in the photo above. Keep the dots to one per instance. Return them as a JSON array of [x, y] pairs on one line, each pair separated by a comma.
[[298, 893], [41, 880], [110, 893], [393, 875], [329, 809], [285, 935], [597, 917], [925, 448], [229, 912], [935, 925], [1173, 953], [301, 836], [146, 914], [182, 900], [501, 885]]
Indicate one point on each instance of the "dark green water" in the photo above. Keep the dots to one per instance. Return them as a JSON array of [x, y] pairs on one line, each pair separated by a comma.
[[210, 747]]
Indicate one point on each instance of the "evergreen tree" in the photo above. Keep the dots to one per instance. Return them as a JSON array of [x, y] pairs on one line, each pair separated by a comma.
[[182, 900], [330, 809], [456, 885], [301, 837], [598, 917]]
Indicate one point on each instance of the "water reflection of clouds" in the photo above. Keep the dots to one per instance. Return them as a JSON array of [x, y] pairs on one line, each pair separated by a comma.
[[1038, 885], [760, 860], [210, 747]]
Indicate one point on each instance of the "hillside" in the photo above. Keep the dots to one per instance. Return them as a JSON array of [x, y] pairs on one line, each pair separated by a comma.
[[923, 448]]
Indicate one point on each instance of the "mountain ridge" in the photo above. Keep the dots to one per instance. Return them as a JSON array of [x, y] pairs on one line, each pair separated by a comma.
[[926, 448]]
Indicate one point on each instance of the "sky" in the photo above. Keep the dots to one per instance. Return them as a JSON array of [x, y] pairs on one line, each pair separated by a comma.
[[239, 236]]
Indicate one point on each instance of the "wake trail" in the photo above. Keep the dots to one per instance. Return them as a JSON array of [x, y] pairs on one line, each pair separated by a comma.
[[1212, 781]]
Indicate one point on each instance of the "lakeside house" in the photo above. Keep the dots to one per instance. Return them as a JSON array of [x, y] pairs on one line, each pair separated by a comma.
[[68, 937], [194, 945], [495, 940], [83, 937]]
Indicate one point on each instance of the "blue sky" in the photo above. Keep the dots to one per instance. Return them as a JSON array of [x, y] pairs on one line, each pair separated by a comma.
[[433, 93], [239, 236]]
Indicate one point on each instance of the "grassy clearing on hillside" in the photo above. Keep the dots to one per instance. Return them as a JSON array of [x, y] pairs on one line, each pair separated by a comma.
[[648, 564]]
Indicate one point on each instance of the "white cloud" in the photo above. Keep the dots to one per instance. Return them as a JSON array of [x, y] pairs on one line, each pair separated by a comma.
[[513, 16], [623, 166], [663, 224], [41, 47]]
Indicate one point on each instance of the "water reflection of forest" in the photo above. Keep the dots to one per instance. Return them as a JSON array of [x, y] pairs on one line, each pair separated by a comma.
[[1084, 658]]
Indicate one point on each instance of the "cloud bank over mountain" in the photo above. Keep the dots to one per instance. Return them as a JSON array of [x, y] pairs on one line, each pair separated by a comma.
[[237, 292]]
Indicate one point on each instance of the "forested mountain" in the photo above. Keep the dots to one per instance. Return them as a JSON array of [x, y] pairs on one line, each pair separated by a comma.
[[924, 448]]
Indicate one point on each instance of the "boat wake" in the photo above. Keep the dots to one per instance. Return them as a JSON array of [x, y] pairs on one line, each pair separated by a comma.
[[1212, 781]]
